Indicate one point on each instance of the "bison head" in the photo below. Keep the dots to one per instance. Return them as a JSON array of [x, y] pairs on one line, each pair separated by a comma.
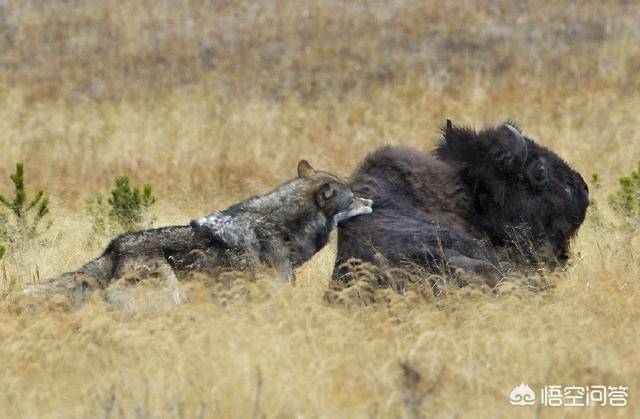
[[525, 197]]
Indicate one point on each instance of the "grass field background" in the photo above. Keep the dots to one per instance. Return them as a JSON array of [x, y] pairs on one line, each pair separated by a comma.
[[214, 101]]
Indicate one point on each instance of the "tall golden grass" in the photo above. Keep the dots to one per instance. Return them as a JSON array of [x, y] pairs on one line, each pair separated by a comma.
[[213, 101]]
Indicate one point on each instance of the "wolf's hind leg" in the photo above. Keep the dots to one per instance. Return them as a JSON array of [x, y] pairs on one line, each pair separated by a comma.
[[134, 271]]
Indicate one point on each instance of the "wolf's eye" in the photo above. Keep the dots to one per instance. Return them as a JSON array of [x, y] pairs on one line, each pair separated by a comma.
[[328, 192]]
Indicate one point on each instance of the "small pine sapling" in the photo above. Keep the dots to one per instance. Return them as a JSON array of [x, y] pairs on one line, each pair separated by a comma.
[[626, 200], [25, 214]]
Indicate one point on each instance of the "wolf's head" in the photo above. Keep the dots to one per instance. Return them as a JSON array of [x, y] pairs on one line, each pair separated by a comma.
[[332, 195]]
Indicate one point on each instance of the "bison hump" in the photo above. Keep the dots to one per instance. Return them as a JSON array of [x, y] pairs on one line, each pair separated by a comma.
[[397, 177]]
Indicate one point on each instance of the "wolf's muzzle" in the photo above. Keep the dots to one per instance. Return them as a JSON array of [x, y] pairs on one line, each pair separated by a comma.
[[358, 206]]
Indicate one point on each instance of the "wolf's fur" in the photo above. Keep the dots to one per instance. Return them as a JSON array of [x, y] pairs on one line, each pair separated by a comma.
[[281, 229]]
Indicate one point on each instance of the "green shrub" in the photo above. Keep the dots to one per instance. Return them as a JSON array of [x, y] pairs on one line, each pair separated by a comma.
[[596, 181], [25, 215], [127, 209], [128, 205], [626, 200], [98, 210]]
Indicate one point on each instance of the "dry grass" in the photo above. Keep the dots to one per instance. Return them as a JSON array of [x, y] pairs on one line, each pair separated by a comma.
[[213, 101]]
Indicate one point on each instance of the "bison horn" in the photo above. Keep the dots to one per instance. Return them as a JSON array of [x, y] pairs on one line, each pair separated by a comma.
[[521, 144], [448, 127]]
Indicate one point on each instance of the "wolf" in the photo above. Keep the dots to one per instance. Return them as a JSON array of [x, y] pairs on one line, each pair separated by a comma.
[[281, 230], [480, 201]]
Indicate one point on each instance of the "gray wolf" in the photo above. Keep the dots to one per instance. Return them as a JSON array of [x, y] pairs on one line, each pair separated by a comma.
[[281, 230], [480, 199]]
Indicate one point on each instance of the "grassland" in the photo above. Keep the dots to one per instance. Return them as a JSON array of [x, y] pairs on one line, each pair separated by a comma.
[[213, 101]]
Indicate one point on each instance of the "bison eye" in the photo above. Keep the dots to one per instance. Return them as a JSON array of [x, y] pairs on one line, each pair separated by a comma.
[[538, 173]]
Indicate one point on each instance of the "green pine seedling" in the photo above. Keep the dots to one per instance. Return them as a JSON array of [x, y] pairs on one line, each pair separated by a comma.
[[128, 204], [626, 200], [26, 213]]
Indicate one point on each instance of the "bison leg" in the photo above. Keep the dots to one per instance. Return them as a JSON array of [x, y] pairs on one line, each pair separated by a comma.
[[489, 273], [415, 243]]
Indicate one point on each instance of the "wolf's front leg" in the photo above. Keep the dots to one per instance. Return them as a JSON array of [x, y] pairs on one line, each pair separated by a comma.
[[284, 273], [171, 282]]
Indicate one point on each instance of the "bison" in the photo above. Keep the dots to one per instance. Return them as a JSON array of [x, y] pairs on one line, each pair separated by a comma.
[[481, 201]]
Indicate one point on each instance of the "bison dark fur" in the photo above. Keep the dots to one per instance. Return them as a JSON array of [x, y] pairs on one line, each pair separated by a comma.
[[480, 199]]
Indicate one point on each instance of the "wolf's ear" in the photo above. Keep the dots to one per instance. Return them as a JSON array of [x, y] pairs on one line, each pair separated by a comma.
[[305, 169]]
